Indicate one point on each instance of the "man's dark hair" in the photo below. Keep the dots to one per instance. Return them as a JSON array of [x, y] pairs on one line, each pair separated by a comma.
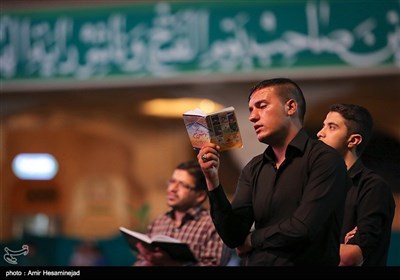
[[358, 120], [290, 90], [194, 169]]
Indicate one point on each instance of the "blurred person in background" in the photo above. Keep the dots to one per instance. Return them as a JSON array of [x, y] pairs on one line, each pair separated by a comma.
[[187, 220]]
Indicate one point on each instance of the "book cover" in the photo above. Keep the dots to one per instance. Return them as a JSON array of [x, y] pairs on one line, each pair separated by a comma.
[[219, 127], [175, 248]]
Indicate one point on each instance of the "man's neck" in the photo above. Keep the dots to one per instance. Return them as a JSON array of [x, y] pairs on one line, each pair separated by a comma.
[[280, 149], [179, 217], [350, 158], [280, 155]]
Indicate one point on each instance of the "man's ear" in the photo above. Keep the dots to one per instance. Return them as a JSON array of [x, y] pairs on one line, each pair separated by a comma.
[[291, 106], [354, 140]]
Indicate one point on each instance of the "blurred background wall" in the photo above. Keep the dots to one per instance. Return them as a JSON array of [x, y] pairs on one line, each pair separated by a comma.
[[76, 77]]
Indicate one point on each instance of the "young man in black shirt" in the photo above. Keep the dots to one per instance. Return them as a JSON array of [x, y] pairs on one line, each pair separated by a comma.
[[369, 207], [294, 192]]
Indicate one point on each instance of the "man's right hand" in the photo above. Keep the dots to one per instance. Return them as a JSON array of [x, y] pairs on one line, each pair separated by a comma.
[[350, 235], [246, 247], [208, 158], [156, 257]]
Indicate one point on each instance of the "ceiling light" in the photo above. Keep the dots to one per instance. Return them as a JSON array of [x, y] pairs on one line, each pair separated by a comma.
[[174, 108], [35, 166]]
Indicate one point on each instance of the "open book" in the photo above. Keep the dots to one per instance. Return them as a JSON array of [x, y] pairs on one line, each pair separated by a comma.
[[219, 127], [175, 248]]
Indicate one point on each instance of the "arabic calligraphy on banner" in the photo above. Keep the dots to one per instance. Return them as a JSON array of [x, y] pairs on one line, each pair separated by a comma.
[[171, 39]]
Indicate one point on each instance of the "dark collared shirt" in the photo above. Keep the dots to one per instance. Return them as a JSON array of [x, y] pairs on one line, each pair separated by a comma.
[[297, 209], [369, 206], [198, 231]]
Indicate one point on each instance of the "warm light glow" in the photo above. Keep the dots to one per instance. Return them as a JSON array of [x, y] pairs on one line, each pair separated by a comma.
[[176, 107], [35, 166], [208, 106]]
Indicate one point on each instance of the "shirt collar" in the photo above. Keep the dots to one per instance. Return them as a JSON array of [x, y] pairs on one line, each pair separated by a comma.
[[356, 169], [295, 147], [192, 213]]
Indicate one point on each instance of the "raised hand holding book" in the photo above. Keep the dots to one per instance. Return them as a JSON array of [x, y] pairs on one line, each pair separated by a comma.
[[219, 127], [175, 248]]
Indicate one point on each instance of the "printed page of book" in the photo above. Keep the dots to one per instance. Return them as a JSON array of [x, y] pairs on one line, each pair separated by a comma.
[[136, 234], [225, 129], [164, 238], [174, 247], [197, 129], [219, 127]]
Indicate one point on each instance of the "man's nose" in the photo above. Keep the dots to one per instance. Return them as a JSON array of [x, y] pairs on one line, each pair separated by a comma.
[[173, 186], [253, 117]]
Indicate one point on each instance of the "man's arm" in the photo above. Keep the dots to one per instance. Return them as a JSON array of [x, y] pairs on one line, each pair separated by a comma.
[[350, 255], [232, 225], [374, 217]]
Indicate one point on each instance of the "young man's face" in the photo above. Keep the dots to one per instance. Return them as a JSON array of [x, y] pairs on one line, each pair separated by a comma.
[[334, 132], [268, 115]]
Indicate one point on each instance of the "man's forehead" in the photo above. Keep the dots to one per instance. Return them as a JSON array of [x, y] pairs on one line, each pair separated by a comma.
[[335, 117], [262, 94]]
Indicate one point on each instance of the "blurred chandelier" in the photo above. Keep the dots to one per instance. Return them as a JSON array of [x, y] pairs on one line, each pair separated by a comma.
[[174, 108]]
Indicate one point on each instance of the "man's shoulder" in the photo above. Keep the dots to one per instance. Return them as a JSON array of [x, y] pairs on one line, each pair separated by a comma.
[[256, 159], [318, 148], [166, 216], [325, 159], [204, 220], [370, 181], [204, 214]]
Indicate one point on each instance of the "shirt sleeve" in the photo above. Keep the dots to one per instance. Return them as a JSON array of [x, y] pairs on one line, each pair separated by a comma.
[[374, 215], [232, 224]]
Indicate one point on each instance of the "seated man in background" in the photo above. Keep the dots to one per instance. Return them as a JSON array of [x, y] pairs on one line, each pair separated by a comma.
[[369, 207], [188, 220]]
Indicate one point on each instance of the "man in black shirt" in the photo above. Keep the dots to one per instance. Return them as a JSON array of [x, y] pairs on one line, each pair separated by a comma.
[[294, 192], [369, 206]]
